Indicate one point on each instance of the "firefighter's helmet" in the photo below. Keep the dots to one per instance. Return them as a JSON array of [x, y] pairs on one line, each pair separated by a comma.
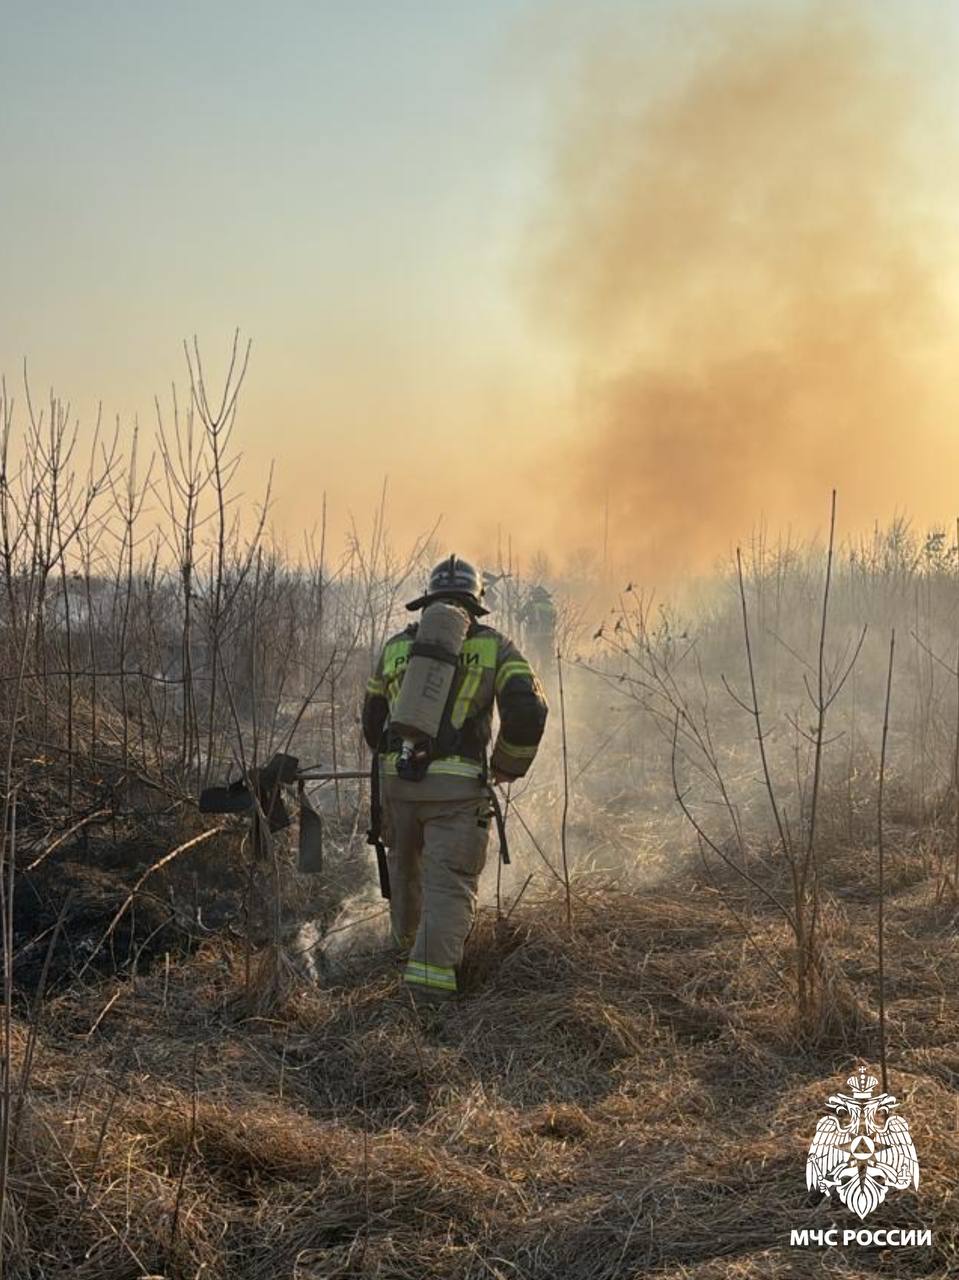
[[456, 579]]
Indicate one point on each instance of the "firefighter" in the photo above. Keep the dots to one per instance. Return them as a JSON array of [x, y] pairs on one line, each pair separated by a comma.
[[538, 616], [437, 826], [490, 582]]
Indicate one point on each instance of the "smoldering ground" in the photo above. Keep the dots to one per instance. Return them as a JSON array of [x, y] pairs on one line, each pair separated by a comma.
[[741, 247]]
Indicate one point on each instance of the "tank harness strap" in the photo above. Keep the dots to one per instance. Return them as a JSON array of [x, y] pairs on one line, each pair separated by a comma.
[[447, 737], [426, 649]]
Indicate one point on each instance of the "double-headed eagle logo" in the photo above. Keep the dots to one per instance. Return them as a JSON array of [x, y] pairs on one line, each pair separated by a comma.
[[862, 1150]]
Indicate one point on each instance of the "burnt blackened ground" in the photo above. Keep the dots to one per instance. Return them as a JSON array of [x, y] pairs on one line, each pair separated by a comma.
[[109, 925], [122, 916]]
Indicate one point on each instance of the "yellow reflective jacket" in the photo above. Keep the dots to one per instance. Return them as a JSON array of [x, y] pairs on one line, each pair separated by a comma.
[[490, 670]]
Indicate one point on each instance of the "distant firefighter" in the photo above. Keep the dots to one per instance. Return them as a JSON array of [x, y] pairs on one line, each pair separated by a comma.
[[490, 582], [538, 616], [428, 713]]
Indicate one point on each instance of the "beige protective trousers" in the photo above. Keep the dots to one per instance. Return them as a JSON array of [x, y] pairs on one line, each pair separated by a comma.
[[437, 831]]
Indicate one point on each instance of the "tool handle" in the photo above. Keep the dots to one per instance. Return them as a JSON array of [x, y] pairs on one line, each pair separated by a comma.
[[328, 775], [383, 869], [500, 825], [375, 834]]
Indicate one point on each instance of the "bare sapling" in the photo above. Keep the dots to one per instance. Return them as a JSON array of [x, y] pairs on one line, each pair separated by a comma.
[[565, 812], [880, 843]]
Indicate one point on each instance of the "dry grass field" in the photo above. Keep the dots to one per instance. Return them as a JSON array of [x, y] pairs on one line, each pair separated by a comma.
[[625, 1098], [209, 1066]]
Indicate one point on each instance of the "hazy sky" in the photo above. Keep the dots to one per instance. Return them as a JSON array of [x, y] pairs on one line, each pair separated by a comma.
[[356, 185], [343, 181]]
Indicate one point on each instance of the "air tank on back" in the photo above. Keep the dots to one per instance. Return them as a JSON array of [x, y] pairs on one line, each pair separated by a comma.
[[430, 671]]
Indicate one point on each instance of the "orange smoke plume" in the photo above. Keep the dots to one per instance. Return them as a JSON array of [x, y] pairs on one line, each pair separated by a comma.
[[741, 248]]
